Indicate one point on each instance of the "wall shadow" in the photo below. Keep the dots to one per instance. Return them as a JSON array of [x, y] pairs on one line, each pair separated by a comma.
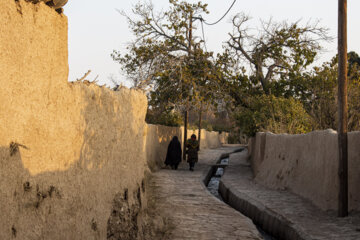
[[79, 201]]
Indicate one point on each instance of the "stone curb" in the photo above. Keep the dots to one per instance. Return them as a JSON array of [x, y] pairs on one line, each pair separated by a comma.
[[267, 219], [212, 169]]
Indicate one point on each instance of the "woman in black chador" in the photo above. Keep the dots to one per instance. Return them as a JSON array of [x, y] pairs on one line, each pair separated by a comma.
[[173, 156]]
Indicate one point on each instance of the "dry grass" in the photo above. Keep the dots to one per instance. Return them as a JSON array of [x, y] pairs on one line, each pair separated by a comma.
[[14, 148]]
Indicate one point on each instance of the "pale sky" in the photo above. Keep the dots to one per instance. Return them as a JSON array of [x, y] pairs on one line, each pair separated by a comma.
[[96, 28]]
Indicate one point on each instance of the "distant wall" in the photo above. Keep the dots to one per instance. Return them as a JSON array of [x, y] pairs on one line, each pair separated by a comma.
[[79, 152], [210, 139], [306, 164], [158, 138]]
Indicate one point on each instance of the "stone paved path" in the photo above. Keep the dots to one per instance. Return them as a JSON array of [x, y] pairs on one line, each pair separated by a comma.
[[193, 212], [300, 213]]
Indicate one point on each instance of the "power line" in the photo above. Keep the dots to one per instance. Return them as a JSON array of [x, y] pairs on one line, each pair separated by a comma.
[[203, 20], [203, 33]]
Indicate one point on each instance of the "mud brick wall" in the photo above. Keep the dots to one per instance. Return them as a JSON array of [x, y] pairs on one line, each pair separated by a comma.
[[73, 156], [66, 149], [306, 164]]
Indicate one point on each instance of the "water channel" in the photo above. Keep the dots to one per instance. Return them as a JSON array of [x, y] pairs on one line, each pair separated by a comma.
[[213, 187]]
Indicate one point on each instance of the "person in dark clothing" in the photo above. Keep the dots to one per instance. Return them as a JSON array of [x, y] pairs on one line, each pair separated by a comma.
[[173, 155], [192, 151]]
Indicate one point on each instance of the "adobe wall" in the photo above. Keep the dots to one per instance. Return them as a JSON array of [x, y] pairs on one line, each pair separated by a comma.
[[210, 139], [306, 164], [158, 138], [79, 153]]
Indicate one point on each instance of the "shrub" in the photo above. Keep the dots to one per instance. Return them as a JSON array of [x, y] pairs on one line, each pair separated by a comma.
[[274, 114], [171, 118]]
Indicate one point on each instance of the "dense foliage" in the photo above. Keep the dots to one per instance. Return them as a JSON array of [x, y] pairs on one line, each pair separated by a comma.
[[266, 78], [168, 60], [274, 114]]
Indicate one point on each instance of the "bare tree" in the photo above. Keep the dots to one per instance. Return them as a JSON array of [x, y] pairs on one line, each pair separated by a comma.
[[275, 49]]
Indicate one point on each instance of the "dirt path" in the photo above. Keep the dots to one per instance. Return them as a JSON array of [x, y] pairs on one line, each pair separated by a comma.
[[191, 212]]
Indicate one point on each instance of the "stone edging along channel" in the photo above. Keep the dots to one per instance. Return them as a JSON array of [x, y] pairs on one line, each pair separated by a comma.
[[213, 168], [265, 218]]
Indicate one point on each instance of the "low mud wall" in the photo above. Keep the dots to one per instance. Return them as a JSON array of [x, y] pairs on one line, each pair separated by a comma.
[[306, 164]]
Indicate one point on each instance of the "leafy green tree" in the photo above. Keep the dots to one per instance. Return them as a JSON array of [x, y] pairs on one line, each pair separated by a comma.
[[275, 114], [319, 94], [354, 91]]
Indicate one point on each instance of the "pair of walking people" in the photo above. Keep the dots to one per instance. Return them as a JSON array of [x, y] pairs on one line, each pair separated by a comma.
[[173, 155]]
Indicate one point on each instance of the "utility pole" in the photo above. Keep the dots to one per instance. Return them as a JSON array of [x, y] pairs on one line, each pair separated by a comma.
[[199, 125], [185, 133], [186, 115], [342, 109]]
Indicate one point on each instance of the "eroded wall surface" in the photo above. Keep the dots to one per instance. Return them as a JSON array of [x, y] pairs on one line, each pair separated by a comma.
[[306, 164], [73, 156], [76, 142]]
